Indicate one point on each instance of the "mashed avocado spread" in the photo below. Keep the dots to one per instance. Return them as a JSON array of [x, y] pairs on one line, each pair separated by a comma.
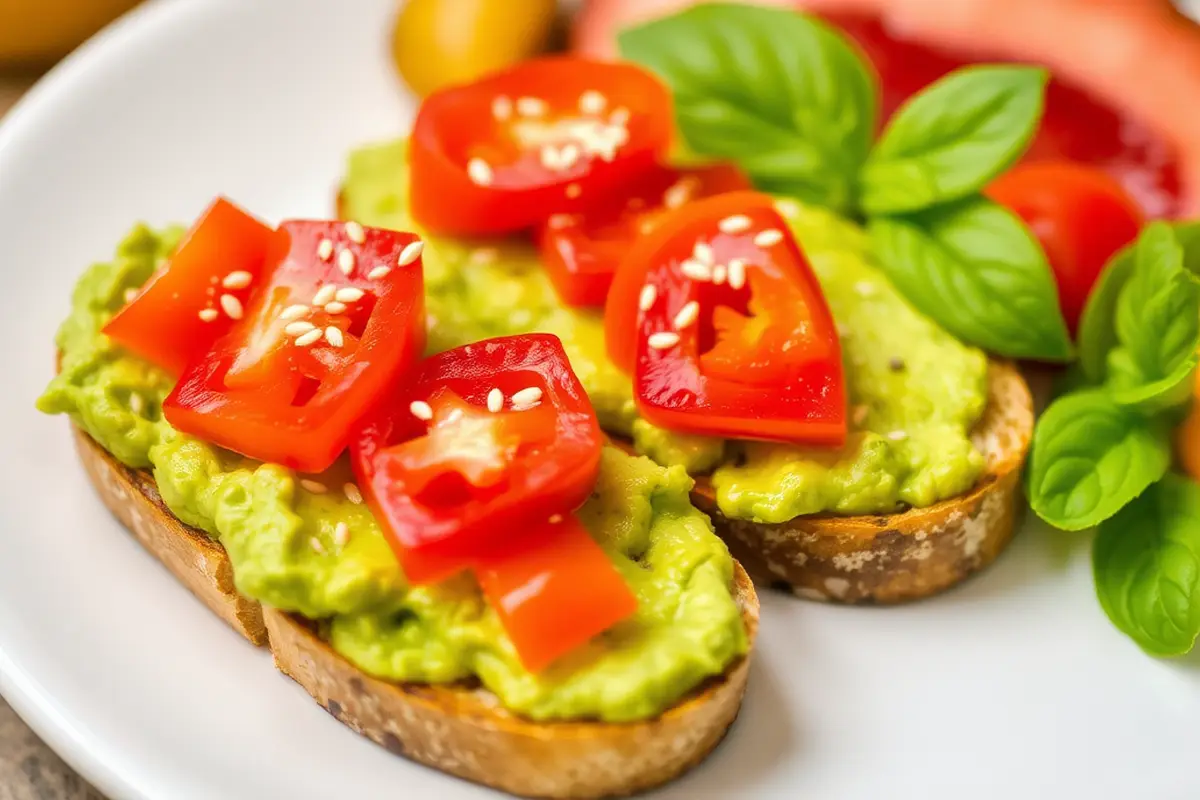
[[281, 535], [915, 391]]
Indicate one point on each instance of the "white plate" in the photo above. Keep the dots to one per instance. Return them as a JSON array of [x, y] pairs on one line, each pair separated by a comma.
[[1015, 685]]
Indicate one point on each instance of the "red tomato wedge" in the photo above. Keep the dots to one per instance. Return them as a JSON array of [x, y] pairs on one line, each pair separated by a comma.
[[341, 314], [550, 135], [581, 251], [724, 326], [1081, 216], [450, 479], [554, 590], [200, 293]]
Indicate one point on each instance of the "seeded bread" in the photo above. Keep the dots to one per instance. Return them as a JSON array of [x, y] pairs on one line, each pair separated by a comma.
[[458, 729]]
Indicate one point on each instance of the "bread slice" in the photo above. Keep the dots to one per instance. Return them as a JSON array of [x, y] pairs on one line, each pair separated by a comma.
[[891, 558], [458, 729]]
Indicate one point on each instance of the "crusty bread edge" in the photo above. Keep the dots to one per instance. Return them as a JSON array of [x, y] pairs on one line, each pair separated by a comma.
[[459, 730]]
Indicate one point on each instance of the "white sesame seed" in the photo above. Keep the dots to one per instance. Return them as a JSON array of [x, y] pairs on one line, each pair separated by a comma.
[[341, 534], [502, 107], [703, 253], [789, 208], [531, 106], [568, 155], [379, 273], [687, 315], [769, 237], [559, 221], [864, 288], [479, 171], [734, 224], [677, 194], [346, 261], [325, 294], [647, 297], [411, 252], [548, 156], [294, 312], [720, 272], [350, 294], [136, 403], [663, 340], [298, 328], [484, 255], [232, 306], [315, 487], [737, 273], [355, 232], [325, 250], [527, 396], [239, 279], [555, 519], [619, 116], [455, 415], [592, 102], [696, 270], [352, 493], [859, 415], [495, 400], [898, 436], [312, 337], [208, 315], [574, 190], [316, 546], [130, 293], [334, 336], [421, 410], [335, 307]]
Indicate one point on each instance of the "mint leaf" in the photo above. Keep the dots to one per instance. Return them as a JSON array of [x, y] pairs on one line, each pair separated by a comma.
[[974, 268], [1146, 563], [1090, 458], [1097, 328], [784, 96], [953, 137]]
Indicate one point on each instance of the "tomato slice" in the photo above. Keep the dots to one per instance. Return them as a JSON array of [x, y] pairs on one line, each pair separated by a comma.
[[200, 293], [450, 479], [1081, 216], [725, 328], [550, 135], [554, 591], [581, 251], [342, 313]]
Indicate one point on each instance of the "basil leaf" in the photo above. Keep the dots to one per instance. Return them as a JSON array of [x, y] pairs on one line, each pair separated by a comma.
[[783, 95], [974, 268], [1097, 331], [1090, 458], [1146, 562], [952, 138], [1188, 235], [1150, 396]]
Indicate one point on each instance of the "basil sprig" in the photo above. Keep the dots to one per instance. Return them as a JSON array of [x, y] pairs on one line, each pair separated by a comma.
[[794, 104]]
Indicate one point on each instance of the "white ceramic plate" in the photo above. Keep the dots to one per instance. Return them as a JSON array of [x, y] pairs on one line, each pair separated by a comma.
[[1014, 685]]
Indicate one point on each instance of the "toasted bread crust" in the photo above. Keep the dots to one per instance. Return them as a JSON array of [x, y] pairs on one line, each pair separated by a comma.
[[460, 730], [893, 558]]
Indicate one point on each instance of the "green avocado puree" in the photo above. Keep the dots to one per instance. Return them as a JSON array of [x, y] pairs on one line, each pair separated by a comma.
[[282, 535], [915, 391]]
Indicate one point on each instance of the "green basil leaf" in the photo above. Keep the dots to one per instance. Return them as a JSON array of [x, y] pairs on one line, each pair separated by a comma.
[[1150, 396], [1090, 458], [974, 268], [953, 137], [1188, 235], [1097, 331], [1146, 562], [783, 95]]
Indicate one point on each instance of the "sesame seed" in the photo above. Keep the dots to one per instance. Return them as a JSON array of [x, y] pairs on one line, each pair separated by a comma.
[[324, 295], [555, 519], [334, 336], [789, 208], [232, 306], [771, 236], [350, 294], [663, 340], [495, 400], [574, 190], [421, 410], [346, 261], [325, 249], [237, 280], [559, 221], [531, 106], [298, 328], [864, 288], [734, 224], [484, 255], [678, 194], [527, 396], [411, 252], [294, 312], [355, 232], [136, 403], [316, 546], [335, 307], [379, 273], [696, 270], [687, 315], [720, 272], [341, 534], [312, 337], [898, 436], [859, 415], [619, 116], [502, 107], [703, 253], [569, 154], [130, 293], [455, 415], [208, 315], [647, 297], [315, 487], [479, 171], [352, 493], [592, 102], [737, 273], [549, 157]]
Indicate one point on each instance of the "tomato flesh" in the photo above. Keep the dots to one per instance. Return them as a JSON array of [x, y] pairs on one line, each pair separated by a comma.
[[724, 326], [1081, 216], [200, 292], [550, 135], [581, 251], [319, 344]]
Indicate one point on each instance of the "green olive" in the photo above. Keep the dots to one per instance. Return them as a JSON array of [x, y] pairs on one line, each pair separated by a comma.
[[439, 43]]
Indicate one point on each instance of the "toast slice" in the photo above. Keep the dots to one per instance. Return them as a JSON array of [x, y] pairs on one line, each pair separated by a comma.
[[891, 558], [459, 729]]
